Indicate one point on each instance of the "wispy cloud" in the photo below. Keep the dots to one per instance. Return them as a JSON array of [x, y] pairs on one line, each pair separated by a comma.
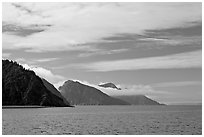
[[173, 40], [139, 89], [182, 60], [102, 52], [45, 59], [34, 60], [6, 55], [73, 24], [14, 29], [20, 60], [177, 84], [45, 73]]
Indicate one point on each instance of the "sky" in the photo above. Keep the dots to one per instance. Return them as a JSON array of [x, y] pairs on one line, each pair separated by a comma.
[[154, 49]]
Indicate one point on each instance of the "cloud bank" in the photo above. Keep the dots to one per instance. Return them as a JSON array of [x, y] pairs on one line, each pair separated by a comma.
[[70, 26], [182, 60], [177, 84], [45, 73]]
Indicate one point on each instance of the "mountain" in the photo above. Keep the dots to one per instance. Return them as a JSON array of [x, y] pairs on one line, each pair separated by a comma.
[[109, 85], [24, 87], [54, 91], [138, 100], [80, 94]]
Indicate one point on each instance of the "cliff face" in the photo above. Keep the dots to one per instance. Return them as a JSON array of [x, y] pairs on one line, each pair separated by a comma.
[[80, 94], [138, 100], [24, 87]]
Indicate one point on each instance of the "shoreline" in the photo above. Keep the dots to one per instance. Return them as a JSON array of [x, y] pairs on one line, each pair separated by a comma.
[[16, 107]]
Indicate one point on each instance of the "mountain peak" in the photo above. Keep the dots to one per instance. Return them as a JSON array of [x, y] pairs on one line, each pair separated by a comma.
[[81, 94], [109, 85], [72, 81], [69, 81]]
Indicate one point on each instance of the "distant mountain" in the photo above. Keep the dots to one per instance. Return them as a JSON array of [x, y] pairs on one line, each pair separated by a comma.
[[186, 104], [80, 94], [24, 87], [109, 85], [138, 100]]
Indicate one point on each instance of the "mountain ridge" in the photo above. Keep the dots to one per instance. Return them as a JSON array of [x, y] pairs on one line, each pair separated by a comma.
[[24, 87], [138, 100], [81, 94]]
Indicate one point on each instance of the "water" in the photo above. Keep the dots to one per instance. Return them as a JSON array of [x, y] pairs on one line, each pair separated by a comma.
[[112, 120]]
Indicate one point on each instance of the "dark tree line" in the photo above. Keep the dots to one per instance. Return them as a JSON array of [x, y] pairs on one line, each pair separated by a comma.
[[23, 87]]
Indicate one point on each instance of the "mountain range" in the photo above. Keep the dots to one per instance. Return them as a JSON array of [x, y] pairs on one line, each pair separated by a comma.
[[81, 94], [21, 87], [138, 100]]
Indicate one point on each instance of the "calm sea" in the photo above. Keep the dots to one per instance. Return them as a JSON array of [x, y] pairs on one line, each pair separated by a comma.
[[101, 120]]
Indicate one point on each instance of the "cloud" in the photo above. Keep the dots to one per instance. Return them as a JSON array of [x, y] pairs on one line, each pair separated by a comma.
[[46, 59], [13, 29], [6, 55], [102, 83], [71, 25], [45, 73], [21, 60], [174, 41], [102, 52], [34, 60], [177, 84], [132, 90], [182, 60]]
